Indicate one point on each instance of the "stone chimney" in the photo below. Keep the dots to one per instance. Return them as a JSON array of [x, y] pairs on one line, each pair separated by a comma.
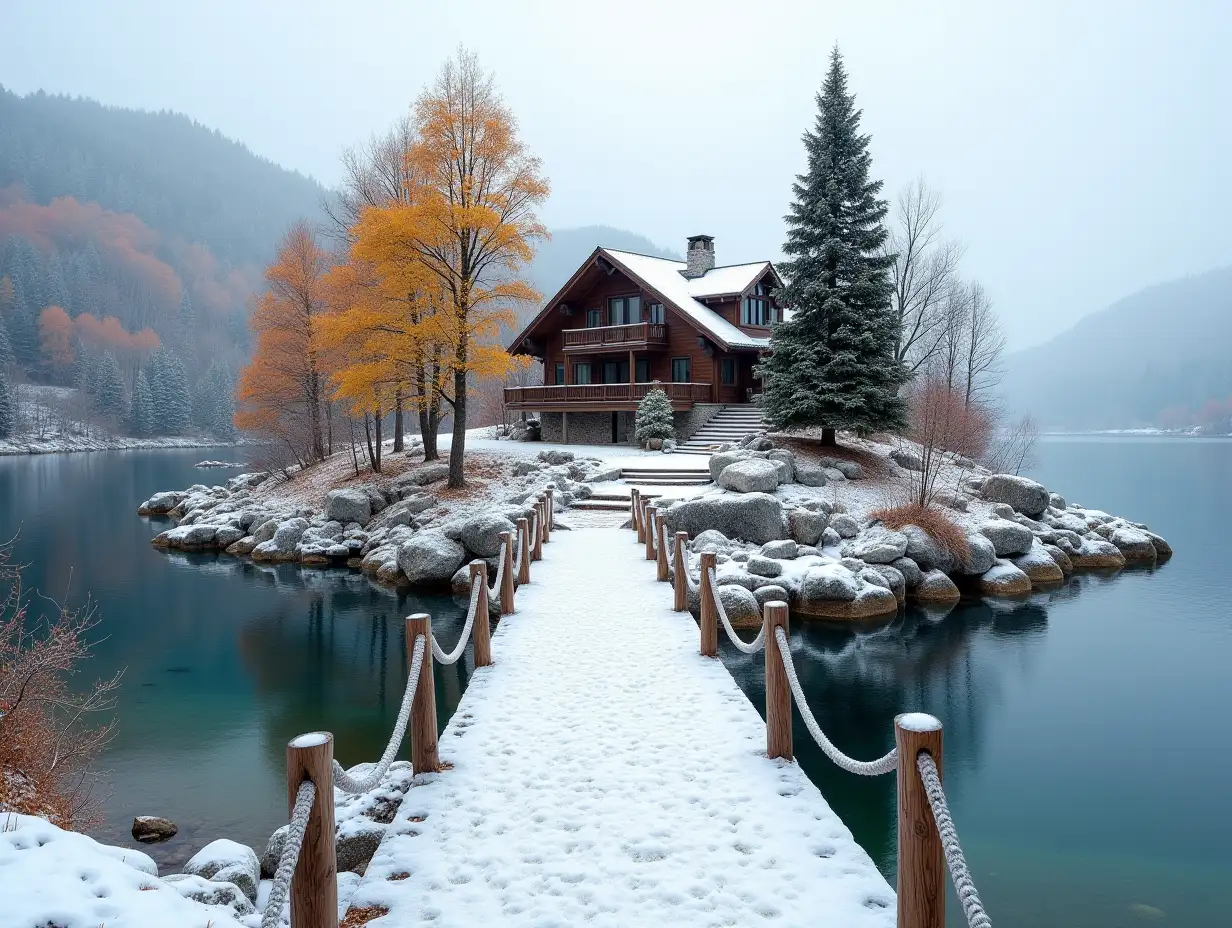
[[699, 257]]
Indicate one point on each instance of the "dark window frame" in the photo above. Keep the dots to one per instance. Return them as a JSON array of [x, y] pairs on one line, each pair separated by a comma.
[[578, 367], [594, 318], [688, 369], [628, 313], [558, 372], [727, 372], [657, 313]]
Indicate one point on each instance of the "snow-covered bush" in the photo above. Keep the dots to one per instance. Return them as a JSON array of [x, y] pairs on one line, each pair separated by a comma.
[[654, 418]]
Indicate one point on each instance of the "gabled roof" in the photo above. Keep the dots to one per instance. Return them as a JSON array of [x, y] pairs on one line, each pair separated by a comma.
[[662, 276]]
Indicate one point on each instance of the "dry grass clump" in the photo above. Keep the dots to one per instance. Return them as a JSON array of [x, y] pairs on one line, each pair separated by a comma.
[[933, 520]]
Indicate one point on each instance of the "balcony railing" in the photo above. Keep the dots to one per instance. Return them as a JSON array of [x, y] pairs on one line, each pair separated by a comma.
[[603, 395], [639, 334]]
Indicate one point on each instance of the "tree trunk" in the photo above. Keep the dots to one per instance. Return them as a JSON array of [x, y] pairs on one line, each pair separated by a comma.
[[368, 440], [398, 442], [379, 416], [829, 438], [314, 413], [428, 425], [457, 447]]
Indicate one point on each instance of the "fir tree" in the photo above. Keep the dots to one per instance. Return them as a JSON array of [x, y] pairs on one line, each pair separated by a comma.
[[654, 418], [832, 364], [8, 414], [6, 347], [108, 389], [141, 417], [169, 386]]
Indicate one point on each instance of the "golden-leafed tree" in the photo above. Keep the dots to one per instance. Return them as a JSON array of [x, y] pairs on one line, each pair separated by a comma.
[[463, 233], [282, 390]]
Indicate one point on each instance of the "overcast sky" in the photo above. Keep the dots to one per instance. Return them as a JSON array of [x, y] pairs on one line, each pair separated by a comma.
[[1081, 148]]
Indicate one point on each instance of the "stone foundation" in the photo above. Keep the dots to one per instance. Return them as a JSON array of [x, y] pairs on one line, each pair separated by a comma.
[[595, 428], [690, 421]]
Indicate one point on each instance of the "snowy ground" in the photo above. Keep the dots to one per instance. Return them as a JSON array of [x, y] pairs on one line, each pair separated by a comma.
[[603, 772]]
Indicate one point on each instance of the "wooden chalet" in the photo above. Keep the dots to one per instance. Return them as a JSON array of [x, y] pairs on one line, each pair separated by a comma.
[[625, 323]]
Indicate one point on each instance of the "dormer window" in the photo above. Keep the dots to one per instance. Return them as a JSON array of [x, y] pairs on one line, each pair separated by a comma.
[[756, 309]]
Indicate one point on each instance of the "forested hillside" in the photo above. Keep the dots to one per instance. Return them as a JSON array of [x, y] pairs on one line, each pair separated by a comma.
[[130, 243], [1158, 357]]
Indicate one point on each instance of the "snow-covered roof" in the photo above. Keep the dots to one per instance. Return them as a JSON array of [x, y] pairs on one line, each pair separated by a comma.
[[663, 276]]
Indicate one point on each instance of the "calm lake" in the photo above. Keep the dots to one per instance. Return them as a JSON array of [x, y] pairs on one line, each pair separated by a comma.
[[1087, 754]]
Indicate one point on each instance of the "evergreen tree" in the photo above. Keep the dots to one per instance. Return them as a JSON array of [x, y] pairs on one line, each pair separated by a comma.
[[108, 389], [214, 401], [141, 417], [6, 347], [832, 364], [8, 414], [654, 418], [169, 386]]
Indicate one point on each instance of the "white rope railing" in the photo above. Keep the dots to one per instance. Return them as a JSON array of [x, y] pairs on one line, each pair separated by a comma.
[[517, 552], [304, 799], [452, 656], [494, 590], [964, 886], [343, 780], [749, 647], [867, 768]]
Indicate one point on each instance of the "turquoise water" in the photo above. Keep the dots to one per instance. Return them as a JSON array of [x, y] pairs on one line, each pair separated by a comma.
[[1087, 758]]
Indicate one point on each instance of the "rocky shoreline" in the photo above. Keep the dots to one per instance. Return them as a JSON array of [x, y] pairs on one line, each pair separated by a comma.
[[401, 532]]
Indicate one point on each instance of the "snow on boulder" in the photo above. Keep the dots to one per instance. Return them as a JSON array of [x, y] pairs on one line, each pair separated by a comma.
[[906, 459], [1008, 538], [481, 535], [894, 579], [161, 503], [877, 545], [282, 546], [430, 557], [211, 892], [927, 551], [805, 526], [781, 550], [149, 829], [827, 582], [756, 475], [556, 456], [763, 566], [740, 605], [910, 570], [1024, 495], [1039, 565], [719, 462], [808, 474], [710, 540], [846, 526], [1004, 579], [983, 555], [49, 876], [350, 504], [771, 594], [850, 470], [1061, 558], [936, 587], [1134, 544], [227, 861], [754, 517]]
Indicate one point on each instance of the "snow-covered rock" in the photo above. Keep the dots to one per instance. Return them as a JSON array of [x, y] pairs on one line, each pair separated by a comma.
[[906, 458], [894, 579], [212, 892], [227, 861], [1097, 554], [805, 525], [786, 549], [720, 461], [927, 551], [983, 554], [829, 581], [1135, 545], [481, 534], [755, 475], [430, 557], [161, 503], [877, 545], [771, 593], [710, 540], [1039, 565], [846, 526], [1008, 538], [910, 570], [936, 587], [556, 456], [849, 470], [755, 517], [1004, 579], [808, 474], [763, 566], [1024, 495], [741, 606], [349, 504]]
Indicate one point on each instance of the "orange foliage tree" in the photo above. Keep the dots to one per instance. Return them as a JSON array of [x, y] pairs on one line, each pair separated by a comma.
[[281, 390], [460, 240], [56, 336], [130, 349]]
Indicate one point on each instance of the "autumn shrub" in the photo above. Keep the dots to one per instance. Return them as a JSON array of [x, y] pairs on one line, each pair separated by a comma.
[[946, 426], [933, 520], [48, 741]]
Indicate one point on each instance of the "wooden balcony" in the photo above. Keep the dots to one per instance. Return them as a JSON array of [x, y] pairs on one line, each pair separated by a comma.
[[616, 337], [602, 397]]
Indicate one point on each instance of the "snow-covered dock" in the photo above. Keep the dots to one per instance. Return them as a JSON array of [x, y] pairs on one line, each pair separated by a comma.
[[602, 772]]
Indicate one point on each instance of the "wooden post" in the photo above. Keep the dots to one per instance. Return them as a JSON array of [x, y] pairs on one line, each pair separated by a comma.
[[424, 758], [524, 543], [778, 690], [545, 520], [550, 494], [314, 886], [635, 513], [661, 535], [483, 630], [709, 618], [506, 590], [680, 563], [537, 541], [921, 863], [652, 513]]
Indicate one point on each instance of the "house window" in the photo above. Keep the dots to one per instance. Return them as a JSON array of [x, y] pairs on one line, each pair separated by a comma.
[[616, 371], [727, 371], [756, 308], [643, 370], [681, 369], [581, 372], [594, 318], [624, 310], [658, 315], [558, 377]]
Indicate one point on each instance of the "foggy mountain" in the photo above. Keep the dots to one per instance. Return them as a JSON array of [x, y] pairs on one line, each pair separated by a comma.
[[1156, 357]]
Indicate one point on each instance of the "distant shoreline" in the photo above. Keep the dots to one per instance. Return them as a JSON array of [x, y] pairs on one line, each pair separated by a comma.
[[1131, 433], [11, 448]]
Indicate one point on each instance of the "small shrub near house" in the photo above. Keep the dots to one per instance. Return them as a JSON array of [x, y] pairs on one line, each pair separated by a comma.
[[654, 419]]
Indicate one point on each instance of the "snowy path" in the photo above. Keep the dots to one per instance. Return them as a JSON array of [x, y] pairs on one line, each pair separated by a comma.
[[604, 773]]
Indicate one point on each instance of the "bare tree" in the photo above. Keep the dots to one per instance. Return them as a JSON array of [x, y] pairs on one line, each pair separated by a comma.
[[946, 429], [984, 348], [1013, 448], [373, 175], [923, 274]]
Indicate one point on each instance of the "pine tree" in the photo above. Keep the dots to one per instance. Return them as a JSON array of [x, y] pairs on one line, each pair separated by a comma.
[[832, 364], [219, 415], [141, 417], [169, 387], [108, 389], [654, 418], [6, 347], [8, 415]]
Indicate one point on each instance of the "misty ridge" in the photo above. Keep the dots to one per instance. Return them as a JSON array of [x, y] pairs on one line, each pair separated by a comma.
[[155, 223]]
